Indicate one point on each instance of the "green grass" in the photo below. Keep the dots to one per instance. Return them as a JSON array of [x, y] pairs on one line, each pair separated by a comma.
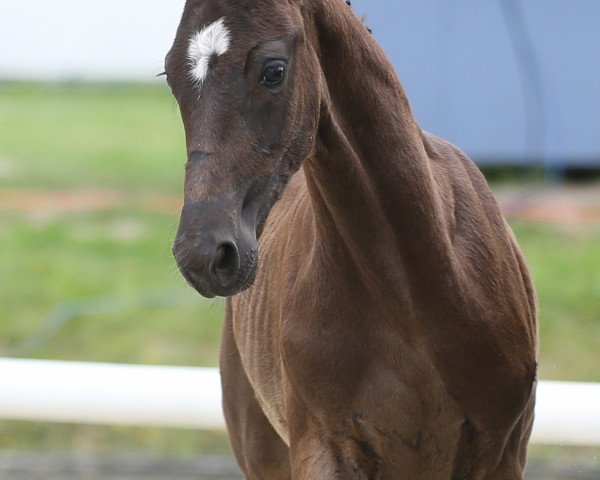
[[565, 263], [63, 269], [68, 267], [126, 136]]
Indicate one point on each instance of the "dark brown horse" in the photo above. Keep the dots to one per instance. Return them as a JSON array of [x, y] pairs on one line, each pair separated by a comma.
[[384, 326]]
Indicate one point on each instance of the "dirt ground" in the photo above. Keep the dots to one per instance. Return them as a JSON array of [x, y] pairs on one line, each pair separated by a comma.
[[64, 467], [556, 204]]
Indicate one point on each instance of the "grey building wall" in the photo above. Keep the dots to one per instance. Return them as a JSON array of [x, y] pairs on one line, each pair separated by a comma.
[[507, 80]]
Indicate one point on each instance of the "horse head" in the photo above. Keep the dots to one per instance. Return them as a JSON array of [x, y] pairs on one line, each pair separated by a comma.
[[247, 84]]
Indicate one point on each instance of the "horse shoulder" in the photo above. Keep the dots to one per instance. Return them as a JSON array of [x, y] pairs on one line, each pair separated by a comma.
[[496, 299]]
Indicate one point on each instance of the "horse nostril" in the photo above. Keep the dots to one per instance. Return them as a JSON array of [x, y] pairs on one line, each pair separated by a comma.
[[225, 262]]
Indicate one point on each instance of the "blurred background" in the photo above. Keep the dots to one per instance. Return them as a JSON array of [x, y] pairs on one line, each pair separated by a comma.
[[91, 172]]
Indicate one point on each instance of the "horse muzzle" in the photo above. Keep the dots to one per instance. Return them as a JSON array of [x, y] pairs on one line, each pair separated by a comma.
[[215, 251]]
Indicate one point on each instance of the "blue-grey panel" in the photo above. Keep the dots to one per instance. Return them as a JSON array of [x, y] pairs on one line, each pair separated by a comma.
[[509, 80]]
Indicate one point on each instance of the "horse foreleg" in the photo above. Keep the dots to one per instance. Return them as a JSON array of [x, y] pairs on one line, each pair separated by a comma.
[[259, 450], [317, 452]]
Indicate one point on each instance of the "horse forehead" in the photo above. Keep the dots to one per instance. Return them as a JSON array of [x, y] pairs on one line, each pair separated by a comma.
[[212, 40]]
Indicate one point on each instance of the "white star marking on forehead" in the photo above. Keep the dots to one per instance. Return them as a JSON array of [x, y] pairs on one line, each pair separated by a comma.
[[211, 40]]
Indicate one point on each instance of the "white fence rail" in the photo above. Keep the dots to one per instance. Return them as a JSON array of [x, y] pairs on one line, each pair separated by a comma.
[[567, 413], [110, 394]]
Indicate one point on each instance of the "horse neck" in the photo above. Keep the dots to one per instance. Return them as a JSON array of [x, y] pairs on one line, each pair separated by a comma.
[[369, 180]]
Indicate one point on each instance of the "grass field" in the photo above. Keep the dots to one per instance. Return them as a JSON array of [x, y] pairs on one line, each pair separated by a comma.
[[99, 283]]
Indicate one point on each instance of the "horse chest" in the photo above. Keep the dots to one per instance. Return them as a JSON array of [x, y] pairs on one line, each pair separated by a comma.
[[256, 335], [315, 348]]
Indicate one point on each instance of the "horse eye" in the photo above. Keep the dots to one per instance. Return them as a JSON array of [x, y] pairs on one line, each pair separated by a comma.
[[273, 74]]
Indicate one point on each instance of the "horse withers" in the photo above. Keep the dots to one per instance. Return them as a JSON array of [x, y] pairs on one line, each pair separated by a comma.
[[381, 321]]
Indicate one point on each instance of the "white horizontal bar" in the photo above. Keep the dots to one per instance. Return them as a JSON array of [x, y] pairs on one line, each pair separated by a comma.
[[566, 413], [110, 394]]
